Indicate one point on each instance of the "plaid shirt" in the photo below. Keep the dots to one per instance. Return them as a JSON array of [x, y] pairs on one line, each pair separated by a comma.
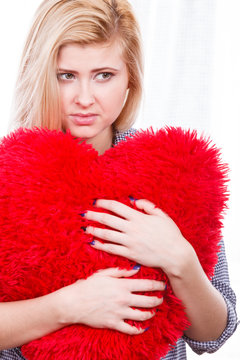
[[220, 281]]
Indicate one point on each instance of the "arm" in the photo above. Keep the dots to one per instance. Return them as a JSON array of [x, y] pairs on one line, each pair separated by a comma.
[[103, 300], [221, 282], [205, 306], [26, 320], [153, 239]]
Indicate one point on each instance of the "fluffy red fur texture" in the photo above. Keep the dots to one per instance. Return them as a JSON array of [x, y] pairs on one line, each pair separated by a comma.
[[47, 179]]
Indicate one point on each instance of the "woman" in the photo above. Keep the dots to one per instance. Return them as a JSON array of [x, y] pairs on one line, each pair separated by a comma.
[[81, 71]]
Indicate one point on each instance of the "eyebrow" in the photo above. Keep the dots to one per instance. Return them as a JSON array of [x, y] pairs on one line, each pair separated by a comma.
[[94, 70]]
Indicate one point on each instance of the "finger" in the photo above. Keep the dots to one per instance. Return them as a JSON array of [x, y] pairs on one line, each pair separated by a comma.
[[148, 207], [112, 221], [145, 285], [128, 329], [138, 315], [145, 301], [117, 272], [108, 235], [112, 249], [116, 207]]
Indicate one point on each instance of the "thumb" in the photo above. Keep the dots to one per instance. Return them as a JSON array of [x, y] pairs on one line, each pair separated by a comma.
[[148, 207]]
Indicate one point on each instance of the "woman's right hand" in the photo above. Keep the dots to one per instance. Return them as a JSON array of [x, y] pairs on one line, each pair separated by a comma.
[[105, 300]]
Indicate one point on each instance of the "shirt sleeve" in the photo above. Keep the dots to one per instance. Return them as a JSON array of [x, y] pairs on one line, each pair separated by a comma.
[[221, 282]]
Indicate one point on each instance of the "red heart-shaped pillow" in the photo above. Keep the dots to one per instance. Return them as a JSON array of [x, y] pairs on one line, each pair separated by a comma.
[[47, 179]]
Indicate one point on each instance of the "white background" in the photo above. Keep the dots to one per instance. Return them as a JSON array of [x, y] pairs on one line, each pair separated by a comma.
[[192, 61]]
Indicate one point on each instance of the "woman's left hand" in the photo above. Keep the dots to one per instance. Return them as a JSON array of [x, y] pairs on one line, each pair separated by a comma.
[[150, 238]]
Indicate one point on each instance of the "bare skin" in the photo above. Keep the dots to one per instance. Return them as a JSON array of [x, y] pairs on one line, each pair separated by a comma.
[[103, 300], [93, 82], [85, 301], [153, 239]]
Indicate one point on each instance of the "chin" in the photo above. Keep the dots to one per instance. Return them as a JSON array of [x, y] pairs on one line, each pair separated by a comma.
[[85, 134]]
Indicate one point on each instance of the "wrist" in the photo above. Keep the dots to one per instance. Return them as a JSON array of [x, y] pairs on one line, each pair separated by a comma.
[[181, 260], [60, 309], [56, 306], [67, 303]]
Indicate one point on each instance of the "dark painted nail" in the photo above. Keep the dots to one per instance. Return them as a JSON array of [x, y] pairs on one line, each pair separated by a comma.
[[137, 267], [165, 287], [82, 214], [132, 198], [92, 242], [94, 202], [146, 329], [83, 228]]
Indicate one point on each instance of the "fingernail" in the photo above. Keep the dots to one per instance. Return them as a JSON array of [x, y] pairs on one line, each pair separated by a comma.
[[137, 267], [92, 243], [94, 201], [132, 198], [146, 329], [83, 228], [165, 287], [82, 214]]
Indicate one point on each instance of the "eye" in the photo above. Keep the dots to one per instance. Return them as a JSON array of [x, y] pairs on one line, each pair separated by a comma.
[[104, 76], [65, 76]]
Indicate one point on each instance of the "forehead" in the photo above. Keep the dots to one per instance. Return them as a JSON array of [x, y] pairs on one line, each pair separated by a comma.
[[75, 55]]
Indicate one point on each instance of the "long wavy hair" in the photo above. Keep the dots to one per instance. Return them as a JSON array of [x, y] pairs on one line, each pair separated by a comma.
[[57, 23]]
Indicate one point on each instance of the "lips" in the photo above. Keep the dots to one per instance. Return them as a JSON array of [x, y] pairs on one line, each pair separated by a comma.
[[83, 119]]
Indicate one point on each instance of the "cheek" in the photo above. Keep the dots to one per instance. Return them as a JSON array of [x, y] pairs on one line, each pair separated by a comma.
[[112, 99], [62, 99], [65, 97]]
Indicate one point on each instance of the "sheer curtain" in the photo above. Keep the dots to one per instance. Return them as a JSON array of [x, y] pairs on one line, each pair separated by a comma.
[[178, 38], [192, 79]]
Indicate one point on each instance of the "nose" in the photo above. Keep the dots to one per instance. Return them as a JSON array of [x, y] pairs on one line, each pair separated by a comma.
[[84, 95]]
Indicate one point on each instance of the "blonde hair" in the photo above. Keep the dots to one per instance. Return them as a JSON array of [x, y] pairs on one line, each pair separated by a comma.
[[57, 23]]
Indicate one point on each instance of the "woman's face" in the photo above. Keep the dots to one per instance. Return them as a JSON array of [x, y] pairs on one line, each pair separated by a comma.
[[93, 81]]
